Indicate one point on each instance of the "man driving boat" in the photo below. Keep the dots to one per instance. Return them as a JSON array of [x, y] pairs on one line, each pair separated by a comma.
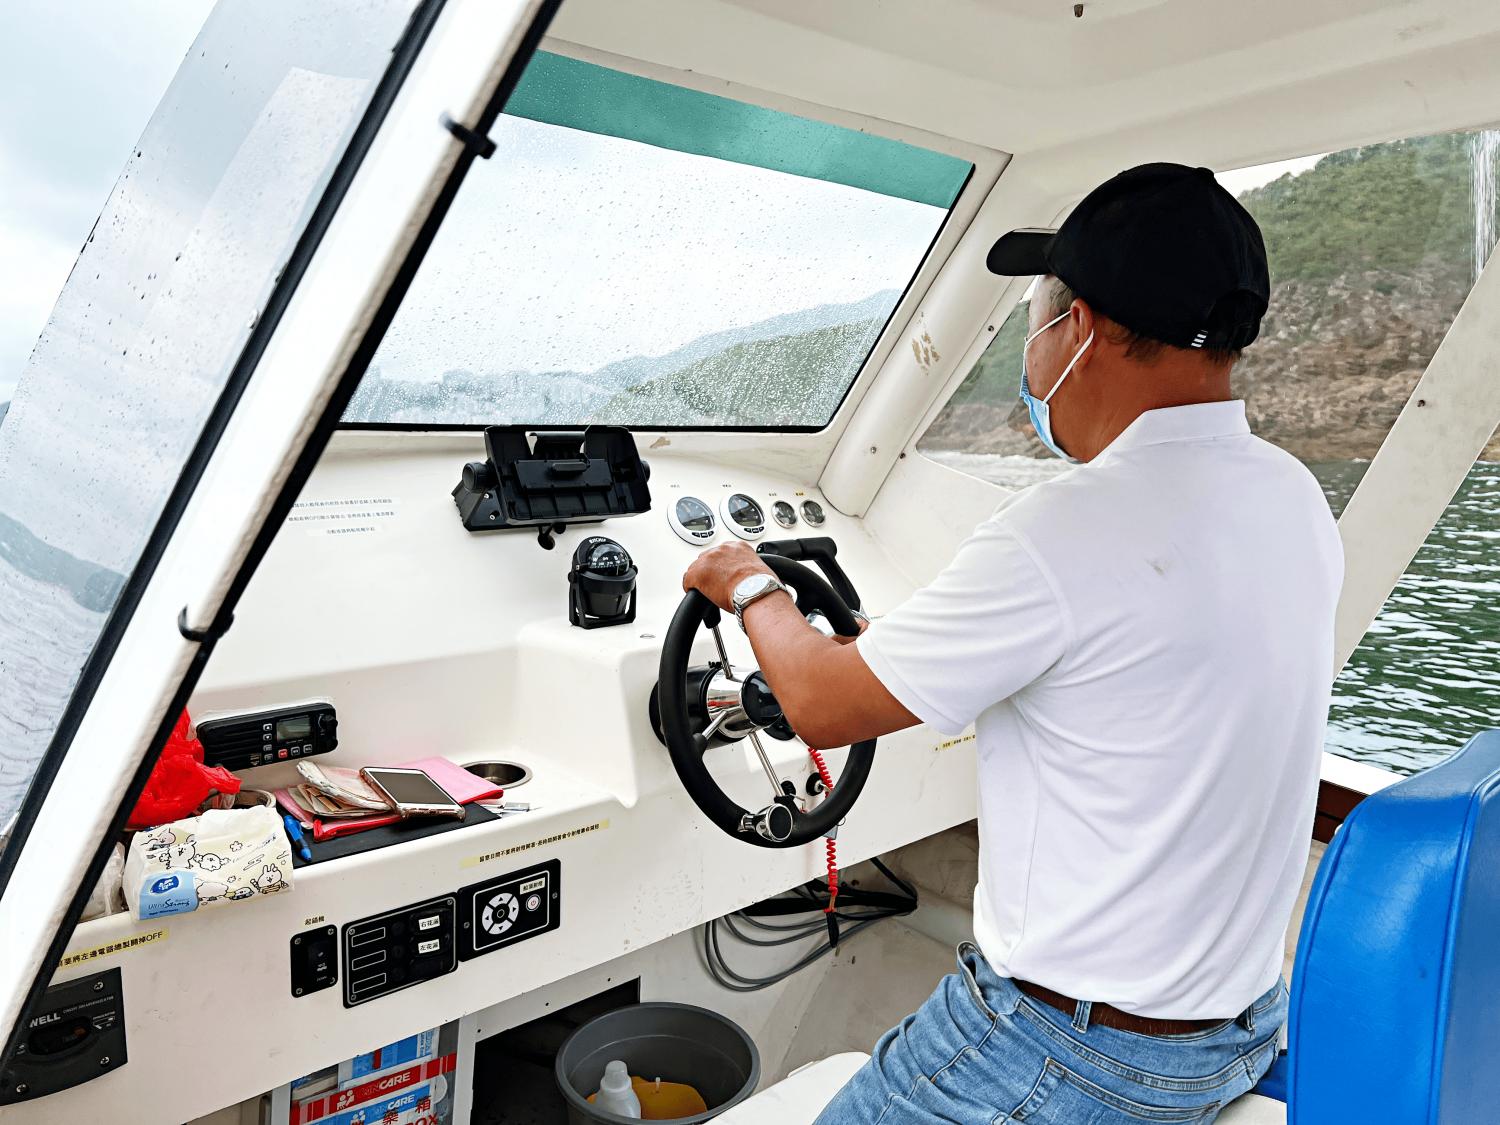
[[1144, 646]]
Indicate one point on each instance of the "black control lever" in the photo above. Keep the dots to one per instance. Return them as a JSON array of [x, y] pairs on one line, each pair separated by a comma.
[[818, 549]]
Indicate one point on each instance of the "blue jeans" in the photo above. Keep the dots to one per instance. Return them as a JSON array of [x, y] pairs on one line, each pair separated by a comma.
[[981, 1051]]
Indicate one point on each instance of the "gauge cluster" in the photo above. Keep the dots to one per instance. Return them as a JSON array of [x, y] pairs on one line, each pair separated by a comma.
[[741, 515]]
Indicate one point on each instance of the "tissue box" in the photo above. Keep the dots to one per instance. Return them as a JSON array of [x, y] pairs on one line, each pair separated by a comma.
[[225, 855], [400, 1054]]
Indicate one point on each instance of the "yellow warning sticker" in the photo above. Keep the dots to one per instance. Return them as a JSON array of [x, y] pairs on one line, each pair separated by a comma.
[[151, 937], [952, 742], [476, 860]]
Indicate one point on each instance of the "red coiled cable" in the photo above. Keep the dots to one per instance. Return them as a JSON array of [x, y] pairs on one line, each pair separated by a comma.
[[832, 846]]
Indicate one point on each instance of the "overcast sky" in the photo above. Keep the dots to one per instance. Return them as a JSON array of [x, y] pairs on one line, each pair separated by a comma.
[[568, 250], [79, 80]]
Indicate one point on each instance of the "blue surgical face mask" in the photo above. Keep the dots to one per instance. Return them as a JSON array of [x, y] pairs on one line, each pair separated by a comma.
[[1041, 413]]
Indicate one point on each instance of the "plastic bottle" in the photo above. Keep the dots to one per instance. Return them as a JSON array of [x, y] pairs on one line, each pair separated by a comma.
[[615, 1091]]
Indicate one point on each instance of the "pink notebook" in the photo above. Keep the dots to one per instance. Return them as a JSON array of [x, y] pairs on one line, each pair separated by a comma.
[[460, 784]]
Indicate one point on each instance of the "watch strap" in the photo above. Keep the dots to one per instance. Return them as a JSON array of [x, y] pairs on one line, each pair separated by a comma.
[[740, 606]]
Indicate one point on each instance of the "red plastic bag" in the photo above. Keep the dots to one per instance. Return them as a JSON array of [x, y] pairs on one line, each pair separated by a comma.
[[179, 782]]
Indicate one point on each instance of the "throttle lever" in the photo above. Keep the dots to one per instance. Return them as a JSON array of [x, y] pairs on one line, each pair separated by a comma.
[[818, 549]]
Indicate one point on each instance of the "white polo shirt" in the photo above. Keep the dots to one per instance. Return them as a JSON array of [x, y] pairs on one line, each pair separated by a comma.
[[1145, 648]]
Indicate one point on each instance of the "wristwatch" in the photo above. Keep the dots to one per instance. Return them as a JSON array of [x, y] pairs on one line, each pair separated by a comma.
[[752, 589]]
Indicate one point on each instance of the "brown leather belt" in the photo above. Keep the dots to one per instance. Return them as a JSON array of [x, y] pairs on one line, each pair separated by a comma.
[[1108, 1016]]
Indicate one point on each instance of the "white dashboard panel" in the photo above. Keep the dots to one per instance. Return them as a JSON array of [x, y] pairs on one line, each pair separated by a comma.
[[430, 640]]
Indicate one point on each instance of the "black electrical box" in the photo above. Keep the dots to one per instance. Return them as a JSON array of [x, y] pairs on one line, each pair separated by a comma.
[[76, 1032], [547, 479]]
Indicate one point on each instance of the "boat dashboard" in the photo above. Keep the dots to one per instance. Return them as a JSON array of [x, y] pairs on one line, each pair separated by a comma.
[[417, 639]]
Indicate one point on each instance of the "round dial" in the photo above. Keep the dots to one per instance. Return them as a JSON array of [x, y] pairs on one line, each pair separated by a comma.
[[784, 514], [743, 516], [812, 513], [692, 520], [607, 558]]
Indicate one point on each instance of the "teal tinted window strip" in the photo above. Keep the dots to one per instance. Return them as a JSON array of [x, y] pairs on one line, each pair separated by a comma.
[[558, 90]]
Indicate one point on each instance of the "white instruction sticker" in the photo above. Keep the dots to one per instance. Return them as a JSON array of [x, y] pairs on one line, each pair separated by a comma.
[[353, 515]]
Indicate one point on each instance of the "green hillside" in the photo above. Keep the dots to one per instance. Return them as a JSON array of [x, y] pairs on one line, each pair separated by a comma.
[[783, 381], [1398, 206], [1371, 257]]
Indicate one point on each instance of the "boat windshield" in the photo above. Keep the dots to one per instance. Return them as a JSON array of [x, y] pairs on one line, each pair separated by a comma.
[[149, 326], [647, 255]]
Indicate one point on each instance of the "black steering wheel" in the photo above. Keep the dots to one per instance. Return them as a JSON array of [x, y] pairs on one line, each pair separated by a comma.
[[693, 708]]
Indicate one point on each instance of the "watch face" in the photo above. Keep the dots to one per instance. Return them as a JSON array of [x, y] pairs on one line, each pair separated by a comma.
[[784, 513], [749, 587]]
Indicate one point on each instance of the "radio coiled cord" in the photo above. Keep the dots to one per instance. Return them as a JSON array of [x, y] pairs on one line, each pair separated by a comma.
[[832, 845]]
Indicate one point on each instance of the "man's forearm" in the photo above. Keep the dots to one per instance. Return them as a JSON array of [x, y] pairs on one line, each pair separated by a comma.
[[828, 694]]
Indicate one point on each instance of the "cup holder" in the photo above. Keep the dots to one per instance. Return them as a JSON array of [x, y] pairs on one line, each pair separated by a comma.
[[507, 775]]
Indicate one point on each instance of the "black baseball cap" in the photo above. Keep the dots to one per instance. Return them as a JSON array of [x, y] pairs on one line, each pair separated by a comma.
[[1162, 249]]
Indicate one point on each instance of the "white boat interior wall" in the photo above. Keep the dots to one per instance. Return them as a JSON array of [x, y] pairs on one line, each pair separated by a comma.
[[432, 640]]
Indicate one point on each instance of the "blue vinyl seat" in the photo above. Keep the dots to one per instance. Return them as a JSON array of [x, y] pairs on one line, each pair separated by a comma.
[[1395, 998]]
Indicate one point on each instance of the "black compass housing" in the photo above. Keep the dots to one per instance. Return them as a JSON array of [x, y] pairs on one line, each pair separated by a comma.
[[601, 584]]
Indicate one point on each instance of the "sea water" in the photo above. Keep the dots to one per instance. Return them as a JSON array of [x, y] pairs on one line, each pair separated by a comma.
[[1426, 677]]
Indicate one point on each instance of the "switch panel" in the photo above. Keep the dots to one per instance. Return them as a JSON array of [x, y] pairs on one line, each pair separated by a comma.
[[509, 908], [388, 952], [315, 960]]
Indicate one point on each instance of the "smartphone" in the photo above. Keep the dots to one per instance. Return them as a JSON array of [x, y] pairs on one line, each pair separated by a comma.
[[411, 792]]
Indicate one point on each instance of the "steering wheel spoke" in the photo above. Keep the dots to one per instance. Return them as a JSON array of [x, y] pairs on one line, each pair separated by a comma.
[[723, 653], [714, 726], [765, 764]]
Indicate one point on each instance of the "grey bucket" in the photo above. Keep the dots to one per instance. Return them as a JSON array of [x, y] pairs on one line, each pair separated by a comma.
[[674, 1042]]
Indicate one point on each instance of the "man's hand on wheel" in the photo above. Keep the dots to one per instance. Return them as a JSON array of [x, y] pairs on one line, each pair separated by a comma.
[[716, 572], [825, 689]]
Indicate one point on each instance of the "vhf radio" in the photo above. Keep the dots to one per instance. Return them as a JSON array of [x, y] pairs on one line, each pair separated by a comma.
[[259, 738]]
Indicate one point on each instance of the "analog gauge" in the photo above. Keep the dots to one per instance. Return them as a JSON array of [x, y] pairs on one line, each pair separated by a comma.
[[692, 520], [784, 513], [812, 513], [743, 516]]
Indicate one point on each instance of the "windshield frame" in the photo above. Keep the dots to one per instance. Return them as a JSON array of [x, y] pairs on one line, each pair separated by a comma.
[[985, 167], [403, 55], [485, 44]]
